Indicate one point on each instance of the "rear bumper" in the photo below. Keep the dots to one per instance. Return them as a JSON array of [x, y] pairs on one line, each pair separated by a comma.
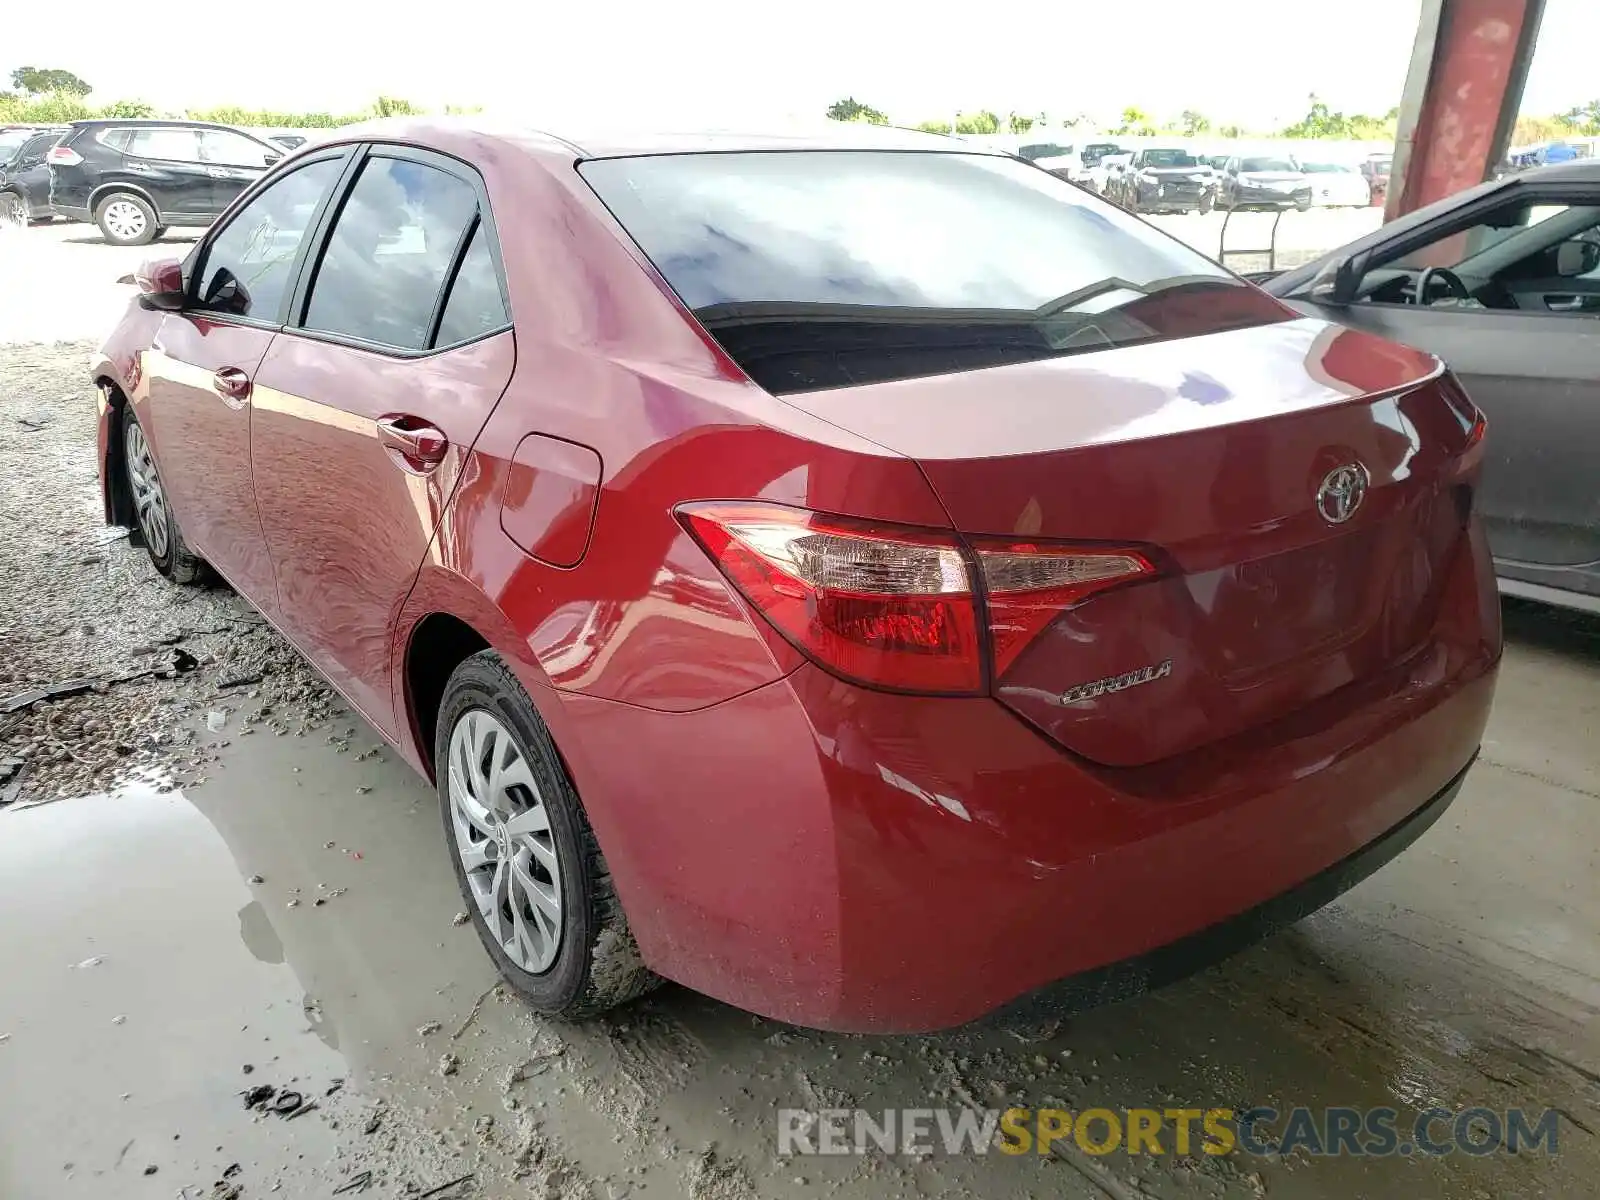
[[859, 861]]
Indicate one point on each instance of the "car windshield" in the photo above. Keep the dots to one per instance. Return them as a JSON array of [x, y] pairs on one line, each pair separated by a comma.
[[818, 269], [11, 141], [1170, 158], [1267, 164], [1095, 151], [1327, 168]]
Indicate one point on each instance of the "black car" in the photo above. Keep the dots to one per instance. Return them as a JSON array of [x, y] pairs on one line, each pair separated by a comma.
[[1263, 181], [1502, 282], [1169, 180], [136, 178], [25, 177]]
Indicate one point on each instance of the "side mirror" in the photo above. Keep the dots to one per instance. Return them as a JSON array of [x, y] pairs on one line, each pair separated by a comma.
[[160, 284], [1576, 258]]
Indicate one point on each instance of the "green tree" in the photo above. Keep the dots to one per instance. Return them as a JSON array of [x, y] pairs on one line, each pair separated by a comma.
[[39, 81], [127, 108], [934, 126], [1192, 124], [1019, 124], [1135, 123], [1584, 120], [851, 109], [391, 106], [1231, 131], [982, 121]]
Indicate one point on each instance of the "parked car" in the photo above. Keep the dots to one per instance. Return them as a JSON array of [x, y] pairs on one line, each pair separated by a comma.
[[1169, 179], [1264, 181], [789, 595], [25, 178], [1110, 176], [12, 137], [134, 179], [1375, 170], [1336, 184], [1502, 282]]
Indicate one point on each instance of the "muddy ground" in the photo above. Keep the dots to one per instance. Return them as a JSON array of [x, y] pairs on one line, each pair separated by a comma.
[[213, 878]]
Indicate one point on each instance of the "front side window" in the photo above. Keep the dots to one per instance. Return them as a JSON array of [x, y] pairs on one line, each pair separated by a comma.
[[168, 143], [391, 248], [247, 266], [826, 268], [228, 149]]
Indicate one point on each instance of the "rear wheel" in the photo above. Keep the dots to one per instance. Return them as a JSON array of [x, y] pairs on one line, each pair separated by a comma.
[[157, 522], [13, 209], [536, 886], [126, 219]]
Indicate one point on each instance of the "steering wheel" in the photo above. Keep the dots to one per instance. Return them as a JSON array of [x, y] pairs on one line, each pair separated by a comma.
[[1451, 281]]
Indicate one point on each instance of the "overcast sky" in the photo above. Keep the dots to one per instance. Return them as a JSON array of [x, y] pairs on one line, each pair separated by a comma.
[[607, 62]]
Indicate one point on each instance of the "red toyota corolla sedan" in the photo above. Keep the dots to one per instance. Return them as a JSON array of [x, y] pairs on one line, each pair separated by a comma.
[[860, 577]]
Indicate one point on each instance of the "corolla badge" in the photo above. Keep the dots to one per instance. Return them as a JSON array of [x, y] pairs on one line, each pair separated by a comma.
[[1341, 493], [1117, 683]]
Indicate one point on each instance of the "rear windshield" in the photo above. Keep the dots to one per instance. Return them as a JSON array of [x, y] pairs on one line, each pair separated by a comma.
[[1170, 158], [818, 269]]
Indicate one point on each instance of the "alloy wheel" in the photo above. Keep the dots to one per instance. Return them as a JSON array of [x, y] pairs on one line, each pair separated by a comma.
[[149, 500], [125, 220], [502, 833]]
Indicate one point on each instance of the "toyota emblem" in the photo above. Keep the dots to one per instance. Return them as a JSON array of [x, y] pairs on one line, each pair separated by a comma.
[[1342, 491]]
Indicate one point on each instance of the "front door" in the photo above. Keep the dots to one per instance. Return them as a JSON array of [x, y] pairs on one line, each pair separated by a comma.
[[363, 416], [1517, 318], [202, 370], [233, 162]]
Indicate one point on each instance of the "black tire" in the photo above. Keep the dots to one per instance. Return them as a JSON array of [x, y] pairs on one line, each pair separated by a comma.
[[174, 559], [13, 209], [120, 229], [597, 966]]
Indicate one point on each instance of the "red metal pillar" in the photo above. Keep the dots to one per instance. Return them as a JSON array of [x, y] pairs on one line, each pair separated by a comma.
[[1462, 93]]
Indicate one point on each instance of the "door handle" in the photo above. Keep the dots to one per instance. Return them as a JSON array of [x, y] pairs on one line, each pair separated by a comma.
[[231, 384], [1563, 302], [416, 444]]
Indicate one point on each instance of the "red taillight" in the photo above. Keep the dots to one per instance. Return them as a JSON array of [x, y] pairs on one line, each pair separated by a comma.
[[892, 607], [1028, 584], [64, 156]]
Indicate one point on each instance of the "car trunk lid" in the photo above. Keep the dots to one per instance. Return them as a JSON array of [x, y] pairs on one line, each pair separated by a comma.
[[1236, 459]]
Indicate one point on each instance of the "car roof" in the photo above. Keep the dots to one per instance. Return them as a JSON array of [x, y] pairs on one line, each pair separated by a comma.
[[626, 143], [136, 122]]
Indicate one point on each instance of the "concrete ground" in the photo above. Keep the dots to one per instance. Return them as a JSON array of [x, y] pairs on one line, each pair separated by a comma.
[[285, 919]]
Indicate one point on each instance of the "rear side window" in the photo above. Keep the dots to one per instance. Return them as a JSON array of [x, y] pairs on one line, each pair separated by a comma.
[[169, 143], [391, 248], [117, 139], [474, 306], [819, 269], [247, 266]]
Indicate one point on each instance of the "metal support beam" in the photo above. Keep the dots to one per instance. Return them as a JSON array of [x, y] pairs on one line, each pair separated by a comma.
[[1463, 90]]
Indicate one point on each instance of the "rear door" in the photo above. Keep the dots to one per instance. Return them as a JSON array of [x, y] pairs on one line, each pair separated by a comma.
[[399, 348], [164, 160]]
